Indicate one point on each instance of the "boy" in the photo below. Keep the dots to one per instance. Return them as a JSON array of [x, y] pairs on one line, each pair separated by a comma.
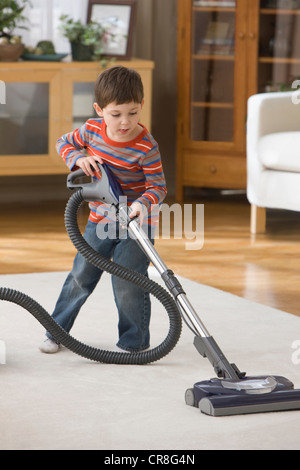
[[124, 144]]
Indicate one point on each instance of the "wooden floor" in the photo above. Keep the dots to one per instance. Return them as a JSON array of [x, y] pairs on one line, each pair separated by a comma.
[[262, 268]]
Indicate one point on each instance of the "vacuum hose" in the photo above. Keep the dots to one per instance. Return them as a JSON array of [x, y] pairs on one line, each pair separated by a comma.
[[81, 349]]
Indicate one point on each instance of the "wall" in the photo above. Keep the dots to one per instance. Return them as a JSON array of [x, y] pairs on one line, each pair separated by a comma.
[[154, 39], [160, 46]]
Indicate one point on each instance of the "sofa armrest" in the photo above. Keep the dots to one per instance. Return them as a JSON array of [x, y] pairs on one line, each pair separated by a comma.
[[273, 112], [267, 113]]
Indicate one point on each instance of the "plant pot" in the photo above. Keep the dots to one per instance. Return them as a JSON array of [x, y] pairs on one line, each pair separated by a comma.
[[81, 52], [10, 52]]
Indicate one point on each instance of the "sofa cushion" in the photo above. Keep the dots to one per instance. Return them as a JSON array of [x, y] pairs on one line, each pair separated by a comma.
[[280, 151]]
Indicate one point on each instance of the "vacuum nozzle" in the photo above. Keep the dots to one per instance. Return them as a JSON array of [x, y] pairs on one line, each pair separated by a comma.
[[217, 397], [245, 404]]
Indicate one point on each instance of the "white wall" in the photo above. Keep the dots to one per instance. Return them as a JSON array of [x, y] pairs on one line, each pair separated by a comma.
[[43, 21]]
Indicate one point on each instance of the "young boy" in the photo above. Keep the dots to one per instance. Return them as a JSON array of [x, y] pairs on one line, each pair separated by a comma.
[[125, 145]]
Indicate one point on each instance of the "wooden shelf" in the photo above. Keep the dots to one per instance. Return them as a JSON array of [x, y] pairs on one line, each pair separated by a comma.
[[278, 60], [214, 9], [272, 11], [213, 105], [228, 57]]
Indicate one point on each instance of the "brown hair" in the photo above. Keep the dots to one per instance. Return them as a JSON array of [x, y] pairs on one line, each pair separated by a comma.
[[120, 85]]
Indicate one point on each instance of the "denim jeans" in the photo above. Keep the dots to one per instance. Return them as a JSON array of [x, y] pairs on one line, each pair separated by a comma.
[[133, 303]]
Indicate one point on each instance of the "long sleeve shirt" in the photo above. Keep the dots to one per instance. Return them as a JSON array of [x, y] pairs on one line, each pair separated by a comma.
[[136, 165]]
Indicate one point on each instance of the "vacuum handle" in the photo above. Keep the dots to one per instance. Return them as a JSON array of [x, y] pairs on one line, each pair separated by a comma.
[[106, 189], [73, 176]]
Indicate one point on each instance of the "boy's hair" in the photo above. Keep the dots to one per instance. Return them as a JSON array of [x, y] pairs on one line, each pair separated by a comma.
[[118, 85]]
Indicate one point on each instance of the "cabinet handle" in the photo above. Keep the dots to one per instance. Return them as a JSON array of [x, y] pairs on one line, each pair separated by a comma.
[[242, 35], [252, 35], [213, 169]]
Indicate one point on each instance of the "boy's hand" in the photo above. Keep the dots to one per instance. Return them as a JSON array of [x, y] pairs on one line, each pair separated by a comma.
[[89, 164], [138, 210]]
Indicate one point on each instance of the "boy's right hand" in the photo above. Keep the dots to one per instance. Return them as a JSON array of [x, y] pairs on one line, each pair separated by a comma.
[[89, 164]]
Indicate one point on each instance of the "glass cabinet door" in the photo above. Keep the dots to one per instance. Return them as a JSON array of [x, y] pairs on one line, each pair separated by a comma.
[[24, 120], [30, 119], [213, 27], [83, 99], [279, 40]]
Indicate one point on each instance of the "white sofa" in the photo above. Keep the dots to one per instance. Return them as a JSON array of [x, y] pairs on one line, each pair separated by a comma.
[[273, 154]]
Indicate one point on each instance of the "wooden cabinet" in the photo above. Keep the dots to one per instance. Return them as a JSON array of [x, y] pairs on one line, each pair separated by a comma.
[[40, 101], [227, 51]]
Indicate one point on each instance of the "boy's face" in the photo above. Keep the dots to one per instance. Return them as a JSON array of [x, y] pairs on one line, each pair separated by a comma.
[[121, 120]]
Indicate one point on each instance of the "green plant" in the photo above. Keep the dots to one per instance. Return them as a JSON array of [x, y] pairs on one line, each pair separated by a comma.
[[11, 17], [91, 34]]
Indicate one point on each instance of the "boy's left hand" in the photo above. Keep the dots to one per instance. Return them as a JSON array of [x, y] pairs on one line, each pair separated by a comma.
[[138, 210]]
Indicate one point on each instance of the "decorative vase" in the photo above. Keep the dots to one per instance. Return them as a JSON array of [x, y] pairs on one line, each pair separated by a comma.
[[81, 52], [10, 52]]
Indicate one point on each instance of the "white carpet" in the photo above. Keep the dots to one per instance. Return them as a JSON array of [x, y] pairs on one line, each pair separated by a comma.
[[63, 401]]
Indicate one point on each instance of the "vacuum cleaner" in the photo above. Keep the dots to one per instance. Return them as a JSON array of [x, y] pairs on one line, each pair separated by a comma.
[[231, 392]]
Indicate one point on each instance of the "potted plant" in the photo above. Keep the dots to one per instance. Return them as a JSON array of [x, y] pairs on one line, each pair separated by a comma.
[[85, 39], [11, 17]]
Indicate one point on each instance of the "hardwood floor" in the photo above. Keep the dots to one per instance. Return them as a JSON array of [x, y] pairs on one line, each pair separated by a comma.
[[263, 268]]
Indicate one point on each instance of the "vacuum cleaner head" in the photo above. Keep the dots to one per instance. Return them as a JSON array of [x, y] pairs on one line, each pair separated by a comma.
[[222, 397]]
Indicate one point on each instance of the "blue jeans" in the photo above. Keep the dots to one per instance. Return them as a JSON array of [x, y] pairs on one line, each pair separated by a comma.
[[133, 303]]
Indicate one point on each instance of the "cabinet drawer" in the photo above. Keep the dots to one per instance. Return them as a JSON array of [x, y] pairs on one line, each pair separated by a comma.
[[214, 171]]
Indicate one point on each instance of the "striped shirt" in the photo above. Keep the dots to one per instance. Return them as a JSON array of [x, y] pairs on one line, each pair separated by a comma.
[[135, 164]]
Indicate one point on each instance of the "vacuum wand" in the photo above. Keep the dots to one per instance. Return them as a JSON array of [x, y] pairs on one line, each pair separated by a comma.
[[204, 342]]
